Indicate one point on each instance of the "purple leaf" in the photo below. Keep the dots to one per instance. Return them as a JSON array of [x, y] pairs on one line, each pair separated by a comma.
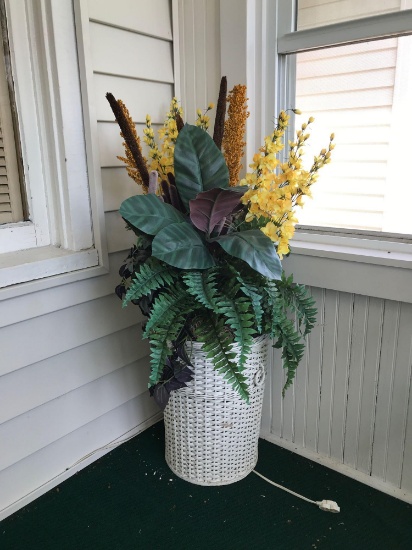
[[161, 395], [209, 208]]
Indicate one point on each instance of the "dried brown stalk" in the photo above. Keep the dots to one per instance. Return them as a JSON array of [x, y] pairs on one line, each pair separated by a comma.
[[135, 162], [234, 132], [179, 122], [220, 113]]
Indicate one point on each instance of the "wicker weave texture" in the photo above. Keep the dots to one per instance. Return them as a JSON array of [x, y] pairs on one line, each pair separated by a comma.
[[211, 433]]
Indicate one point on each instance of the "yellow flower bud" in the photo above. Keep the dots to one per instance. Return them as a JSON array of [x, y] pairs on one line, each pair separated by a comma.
[[211, 106], [311, 119]]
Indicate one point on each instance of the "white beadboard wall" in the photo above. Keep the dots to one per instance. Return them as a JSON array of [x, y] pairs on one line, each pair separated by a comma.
[[350, 406], [74, 370]]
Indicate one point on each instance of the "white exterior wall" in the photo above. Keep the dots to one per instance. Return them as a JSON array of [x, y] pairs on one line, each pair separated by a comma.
[[73, 368]]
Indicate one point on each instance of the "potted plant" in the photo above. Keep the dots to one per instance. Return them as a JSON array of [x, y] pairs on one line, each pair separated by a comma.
[[206, 271]]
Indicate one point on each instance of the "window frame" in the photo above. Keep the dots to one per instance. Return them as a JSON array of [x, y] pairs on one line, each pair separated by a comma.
[[63, 241], [256, 36]]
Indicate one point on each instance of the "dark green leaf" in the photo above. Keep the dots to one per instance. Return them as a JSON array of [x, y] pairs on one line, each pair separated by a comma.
[[199, 164], [255, 249], [181, 246], [149, 213]]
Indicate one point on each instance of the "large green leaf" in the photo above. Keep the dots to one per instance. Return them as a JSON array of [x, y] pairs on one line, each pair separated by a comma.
[[199, 164], [149, 213], [180, 245], [255, 249]]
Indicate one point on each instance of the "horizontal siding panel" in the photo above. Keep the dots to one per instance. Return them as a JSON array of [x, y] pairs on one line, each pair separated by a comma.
[[359, 170], [363, 61], [118, 237], [354, 186], [348, 118], [117, 187], [29, 306], [62, 330], [361, 134], [314, 13], [347, 202], [26, 389], [32, 472], [346, 100], [365, 152], [361, 81], [123, 53], [110, 143], [341, 218], [350, 49], [42, 426], [141, 97], [154, 17]]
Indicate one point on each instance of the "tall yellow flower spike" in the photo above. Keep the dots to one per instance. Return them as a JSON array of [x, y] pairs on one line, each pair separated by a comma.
[[276, 188]]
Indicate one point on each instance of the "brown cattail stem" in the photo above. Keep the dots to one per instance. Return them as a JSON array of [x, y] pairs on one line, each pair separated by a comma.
[[220, 113], [179, 122], [129, 139]]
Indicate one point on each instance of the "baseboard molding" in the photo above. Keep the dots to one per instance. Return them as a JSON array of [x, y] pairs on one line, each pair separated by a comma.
[[57, 480], [341, 468]]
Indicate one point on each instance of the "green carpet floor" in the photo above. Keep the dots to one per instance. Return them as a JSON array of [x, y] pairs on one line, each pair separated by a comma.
[[129, 499]]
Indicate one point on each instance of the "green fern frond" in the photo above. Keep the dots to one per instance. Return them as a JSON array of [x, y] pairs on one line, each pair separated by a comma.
[[297, 299], [151, 276], [202, 285], [256, 298], [239, 318], [166, 305], [282, 329], [159, 346], [292, 349], [217, 346]]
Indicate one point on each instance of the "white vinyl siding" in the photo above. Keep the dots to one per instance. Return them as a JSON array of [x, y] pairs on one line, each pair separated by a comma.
[[316, 13], [79, 381]]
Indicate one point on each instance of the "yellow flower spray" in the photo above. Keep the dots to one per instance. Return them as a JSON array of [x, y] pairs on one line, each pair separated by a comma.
[[277, 187]]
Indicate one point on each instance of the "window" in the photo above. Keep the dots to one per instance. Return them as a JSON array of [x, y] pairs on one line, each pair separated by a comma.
[[349, 66], [11, 206], [360, 91], [59, 233], [263, 55]]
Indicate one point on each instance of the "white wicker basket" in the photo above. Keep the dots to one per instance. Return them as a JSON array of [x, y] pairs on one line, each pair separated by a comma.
[[211, 433]]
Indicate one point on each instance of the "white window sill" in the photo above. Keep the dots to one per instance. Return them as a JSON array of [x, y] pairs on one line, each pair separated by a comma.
[[367, 266], [40, 263], [392, 253]]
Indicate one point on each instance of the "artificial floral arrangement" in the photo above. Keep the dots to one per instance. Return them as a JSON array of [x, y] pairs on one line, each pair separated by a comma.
[[206, 266]]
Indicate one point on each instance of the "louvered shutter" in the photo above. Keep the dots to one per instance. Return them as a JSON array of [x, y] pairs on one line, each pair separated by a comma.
[[10, 196]]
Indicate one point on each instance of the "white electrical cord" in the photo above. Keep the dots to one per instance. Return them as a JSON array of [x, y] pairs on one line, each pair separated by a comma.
[[108, 446], [325, 505]]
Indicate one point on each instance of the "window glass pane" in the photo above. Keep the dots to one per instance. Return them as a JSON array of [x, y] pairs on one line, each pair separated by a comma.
[[316, 13], [361, 93]]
